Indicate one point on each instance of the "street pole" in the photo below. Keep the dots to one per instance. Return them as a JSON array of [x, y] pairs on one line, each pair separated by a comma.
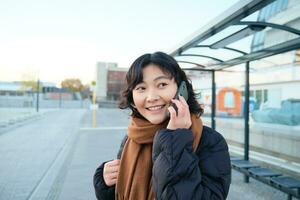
[[246, 115], [213, 101], [94, 109], [37, 95], [60, 97], [94, 106]]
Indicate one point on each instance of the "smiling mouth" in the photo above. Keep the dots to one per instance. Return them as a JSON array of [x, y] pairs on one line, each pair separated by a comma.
[[154, 108]]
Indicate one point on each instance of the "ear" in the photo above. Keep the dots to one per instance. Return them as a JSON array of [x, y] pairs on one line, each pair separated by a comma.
[[133, 105]]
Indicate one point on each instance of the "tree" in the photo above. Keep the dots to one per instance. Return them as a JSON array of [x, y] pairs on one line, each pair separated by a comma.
[[86, 92], [29, 84], [73, 84], [29, 80]]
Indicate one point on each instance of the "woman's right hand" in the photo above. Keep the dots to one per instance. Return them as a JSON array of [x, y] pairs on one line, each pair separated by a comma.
[[183, 119], [110, 172]]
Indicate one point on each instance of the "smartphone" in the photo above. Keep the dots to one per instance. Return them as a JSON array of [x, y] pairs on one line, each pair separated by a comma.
[[182, 91]]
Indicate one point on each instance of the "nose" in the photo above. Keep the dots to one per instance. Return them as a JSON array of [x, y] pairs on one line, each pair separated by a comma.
[[152, 96]]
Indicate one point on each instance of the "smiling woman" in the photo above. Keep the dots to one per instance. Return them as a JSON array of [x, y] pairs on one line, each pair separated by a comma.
[[164, 66], [165, 155]]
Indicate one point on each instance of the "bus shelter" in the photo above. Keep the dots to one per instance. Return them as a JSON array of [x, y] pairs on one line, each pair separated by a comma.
[[250, 32]]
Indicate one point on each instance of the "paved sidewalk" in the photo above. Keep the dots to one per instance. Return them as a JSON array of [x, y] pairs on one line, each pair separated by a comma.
[[11, 118], [94, 146], [29, 153]]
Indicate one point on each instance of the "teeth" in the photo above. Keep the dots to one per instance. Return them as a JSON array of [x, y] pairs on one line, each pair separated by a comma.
[[155, 108]]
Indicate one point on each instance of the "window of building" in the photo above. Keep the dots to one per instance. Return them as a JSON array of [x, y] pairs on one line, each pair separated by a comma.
[[297, 57], [229, 100], [272, 9], [265, 95]]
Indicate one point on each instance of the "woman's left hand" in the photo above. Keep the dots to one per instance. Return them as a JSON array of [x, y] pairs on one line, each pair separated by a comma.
[[183, 119]]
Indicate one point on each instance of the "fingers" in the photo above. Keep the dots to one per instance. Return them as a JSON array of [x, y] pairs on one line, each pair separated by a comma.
[[113, 162], [183, 101], [113, 175], [172, 112], [110, 172], [180, 106], [110, 181], [112, 166], [113, 169], [182, 120]]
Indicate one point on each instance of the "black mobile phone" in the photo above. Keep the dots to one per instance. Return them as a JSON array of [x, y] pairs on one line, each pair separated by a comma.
[[182, 91]]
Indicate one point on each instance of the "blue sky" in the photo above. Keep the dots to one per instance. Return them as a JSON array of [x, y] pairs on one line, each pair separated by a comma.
[[59, 39]]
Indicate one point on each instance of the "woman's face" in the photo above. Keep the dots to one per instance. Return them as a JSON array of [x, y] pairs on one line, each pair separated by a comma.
[[153, 96]]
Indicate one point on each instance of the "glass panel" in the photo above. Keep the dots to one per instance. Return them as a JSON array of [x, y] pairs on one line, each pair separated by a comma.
[[224, 33], [195, 59], [201, 82], [252, 17], [243, 44], [275, 121], [186, 65], [258, 41], [221, 54], [230, 108]]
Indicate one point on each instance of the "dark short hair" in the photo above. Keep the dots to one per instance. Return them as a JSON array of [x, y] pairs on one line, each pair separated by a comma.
[[169, 66]]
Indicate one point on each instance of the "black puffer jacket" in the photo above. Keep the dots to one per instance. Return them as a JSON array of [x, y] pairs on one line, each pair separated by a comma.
[[178, 172]]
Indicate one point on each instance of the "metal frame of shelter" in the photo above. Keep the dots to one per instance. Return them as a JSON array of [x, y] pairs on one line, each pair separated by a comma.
[[233, 17]]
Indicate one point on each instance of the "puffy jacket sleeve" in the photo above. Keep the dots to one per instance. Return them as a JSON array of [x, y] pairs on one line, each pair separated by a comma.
[[179, 173], [103, 192]]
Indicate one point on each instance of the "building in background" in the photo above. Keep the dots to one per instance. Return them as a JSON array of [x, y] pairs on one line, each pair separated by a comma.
[[110, 80], [13, 89], [15, 94]]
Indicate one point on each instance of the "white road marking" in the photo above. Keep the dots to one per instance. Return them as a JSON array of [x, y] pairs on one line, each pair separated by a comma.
[[104, 128]]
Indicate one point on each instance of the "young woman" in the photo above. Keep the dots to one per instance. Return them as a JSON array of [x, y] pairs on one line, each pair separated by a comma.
[[167, 153]]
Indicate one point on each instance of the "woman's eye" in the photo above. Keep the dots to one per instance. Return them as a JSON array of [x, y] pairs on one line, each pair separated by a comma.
[[162, 85], [140, 88]]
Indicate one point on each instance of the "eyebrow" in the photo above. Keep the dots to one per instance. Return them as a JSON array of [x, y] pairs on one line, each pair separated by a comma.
[[158, 78], [161, 77]]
